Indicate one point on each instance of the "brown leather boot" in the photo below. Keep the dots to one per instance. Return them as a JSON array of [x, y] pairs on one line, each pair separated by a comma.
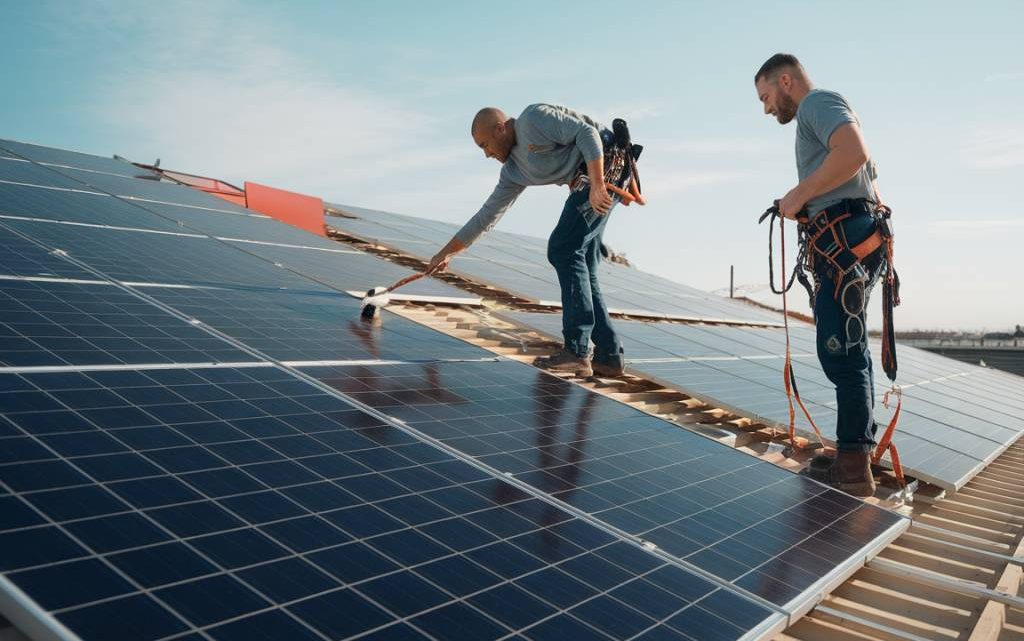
[[853, 473], [565, 362]]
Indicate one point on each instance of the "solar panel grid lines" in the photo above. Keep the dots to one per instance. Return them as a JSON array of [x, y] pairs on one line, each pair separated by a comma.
[[20, 256], [141, 256], [61, 323], [363, 587], [951, 421], [64, 158], [358, 270], [518, 264], [526, 446], [235, 224], [310, 326], [221, 473], [24, 172]]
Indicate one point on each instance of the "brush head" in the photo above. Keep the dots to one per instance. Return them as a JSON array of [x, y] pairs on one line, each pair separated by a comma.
[[375, 299]]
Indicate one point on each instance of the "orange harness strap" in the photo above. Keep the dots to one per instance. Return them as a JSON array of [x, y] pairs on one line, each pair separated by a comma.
[[885, 443], [787, 372]]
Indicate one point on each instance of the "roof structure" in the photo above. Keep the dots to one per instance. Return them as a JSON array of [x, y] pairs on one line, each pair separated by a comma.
[[200, 440]]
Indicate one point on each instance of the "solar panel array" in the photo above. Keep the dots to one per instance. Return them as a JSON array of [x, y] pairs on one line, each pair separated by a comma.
[[67, 203], [955, 417], [518, 264], [196, 443]]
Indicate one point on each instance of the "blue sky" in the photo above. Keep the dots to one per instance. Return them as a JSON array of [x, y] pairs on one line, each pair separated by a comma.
[[369, 104]]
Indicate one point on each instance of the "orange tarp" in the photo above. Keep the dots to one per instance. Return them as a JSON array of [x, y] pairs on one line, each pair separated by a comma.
[[304, 212]]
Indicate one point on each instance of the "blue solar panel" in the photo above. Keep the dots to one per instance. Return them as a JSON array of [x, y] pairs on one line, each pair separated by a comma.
[[61, 323], [20, 256], [296, 327], [29, 201], [162, 258], [194, 516], [163, 502], [65, 158], [352, 271], [23, 171], [945, 434], [518, 264], [723, 511]]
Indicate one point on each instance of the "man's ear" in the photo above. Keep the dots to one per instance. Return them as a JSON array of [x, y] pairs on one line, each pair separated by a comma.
[[785, 81]]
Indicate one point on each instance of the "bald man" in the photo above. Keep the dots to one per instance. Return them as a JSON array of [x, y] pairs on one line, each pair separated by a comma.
[[553, 145]]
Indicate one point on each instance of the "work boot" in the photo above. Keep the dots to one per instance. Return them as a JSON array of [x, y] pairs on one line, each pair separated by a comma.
[[610, 365], [565, 362], [853, 473], [821, 468]]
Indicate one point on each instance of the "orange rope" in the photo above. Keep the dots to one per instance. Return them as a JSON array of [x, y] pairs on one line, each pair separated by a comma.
[[885, 443], [787, 371]]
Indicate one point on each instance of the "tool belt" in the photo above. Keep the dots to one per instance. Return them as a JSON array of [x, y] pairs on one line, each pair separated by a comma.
[[620, 172], [828, 253], [825, 252], [828, 249]]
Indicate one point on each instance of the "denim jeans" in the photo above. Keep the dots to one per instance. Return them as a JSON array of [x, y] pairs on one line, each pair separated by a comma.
[[574, 250], [842, 342]]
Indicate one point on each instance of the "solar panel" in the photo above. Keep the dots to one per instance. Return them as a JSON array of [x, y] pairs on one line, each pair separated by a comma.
[[22, 171], [30, 201], [67, 323], [355, 271], [142, 498], [134, 256], [304, 326], [728, 513], [22, 257], [518, 264], [245, 503], [155, 190], [946, 431], [358, 273], [65, 158]]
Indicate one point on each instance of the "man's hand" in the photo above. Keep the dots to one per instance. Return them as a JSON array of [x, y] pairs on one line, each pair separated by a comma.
[[440, 261], [599, 198], [792, 203]]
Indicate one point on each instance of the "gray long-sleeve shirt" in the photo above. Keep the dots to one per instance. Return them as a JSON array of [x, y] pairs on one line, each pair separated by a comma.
[[551, 142]]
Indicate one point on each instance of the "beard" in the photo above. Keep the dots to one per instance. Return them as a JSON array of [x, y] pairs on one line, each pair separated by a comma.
[[786, 110]]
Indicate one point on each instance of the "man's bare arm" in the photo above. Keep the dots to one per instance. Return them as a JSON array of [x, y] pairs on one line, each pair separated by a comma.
[[847, 153], [439, 262], [599, 198]]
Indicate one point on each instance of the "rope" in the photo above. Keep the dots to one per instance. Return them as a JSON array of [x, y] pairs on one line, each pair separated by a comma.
[[787, 371]]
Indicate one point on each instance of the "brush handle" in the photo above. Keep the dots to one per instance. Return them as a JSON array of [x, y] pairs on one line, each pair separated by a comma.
[[406, 281]]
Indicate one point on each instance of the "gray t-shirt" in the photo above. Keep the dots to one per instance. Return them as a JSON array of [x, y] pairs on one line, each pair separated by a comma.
[[821, 112], [551, 142]]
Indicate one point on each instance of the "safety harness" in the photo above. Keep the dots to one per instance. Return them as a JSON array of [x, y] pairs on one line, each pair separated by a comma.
[[621, 176], [823, 248]]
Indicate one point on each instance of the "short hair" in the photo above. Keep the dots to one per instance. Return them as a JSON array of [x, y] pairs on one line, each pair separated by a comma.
[[778, 63], [487, 117]]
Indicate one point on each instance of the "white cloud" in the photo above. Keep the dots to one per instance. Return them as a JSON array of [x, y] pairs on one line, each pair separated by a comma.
[[1005, 76], [995, 147], [210, 94]]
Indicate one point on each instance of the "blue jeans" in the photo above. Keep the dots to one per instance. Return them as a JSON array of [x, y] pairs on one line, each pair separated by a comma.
[[842, 342], [574, 250]]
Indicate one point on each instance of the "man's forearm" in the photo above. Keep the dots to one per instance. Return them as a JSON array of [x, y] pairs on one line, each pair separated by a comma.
[[453, 247], [847, 154], [440, 260], [839, 166], [595, 171]]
